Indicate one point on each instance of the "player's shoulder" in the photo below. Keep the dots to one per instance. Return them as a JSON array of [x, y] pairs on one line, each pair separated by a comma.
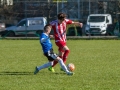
[[53, 22], [67, 19], [43, 35]]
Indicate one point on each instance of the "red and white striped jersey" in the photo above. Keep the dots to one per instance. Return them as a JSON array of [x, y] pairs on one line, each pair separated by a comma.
[[60, 29]]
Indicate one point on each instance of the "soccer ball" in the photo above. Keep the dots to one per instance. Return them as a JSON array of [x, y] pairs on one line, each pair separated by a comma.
[[71, 67]]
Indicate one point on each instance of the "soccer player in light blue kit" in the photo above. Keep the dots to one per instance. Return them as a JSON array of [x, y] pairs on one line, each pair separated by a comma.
[[48, 52]]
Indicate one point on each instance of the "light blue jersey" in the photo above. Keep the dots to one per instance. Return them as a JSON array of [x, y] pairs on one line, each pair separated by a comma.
[[45, 42]]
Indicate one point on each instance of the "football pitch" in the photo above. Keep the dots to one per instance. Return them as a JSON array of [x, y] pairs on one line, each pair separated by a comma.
[[97, 66]]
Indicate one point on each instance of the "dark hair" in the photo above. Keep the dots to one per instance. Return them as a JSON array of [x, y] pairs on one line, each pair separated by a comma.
[[46, 26], [61, 16]]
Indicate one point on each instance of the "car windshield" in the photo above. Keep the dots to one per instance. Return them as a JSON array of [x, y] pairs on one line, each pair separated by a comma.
[[96, 19]]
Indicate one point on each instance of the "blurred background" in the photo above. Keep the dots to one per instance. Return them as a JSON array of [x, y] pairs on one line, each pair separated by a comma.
[[12, 11]]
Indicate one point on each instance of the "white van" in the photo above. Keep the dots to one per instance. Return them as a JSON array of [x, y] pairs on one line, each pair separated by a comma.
[[33, 25], [97, 24]]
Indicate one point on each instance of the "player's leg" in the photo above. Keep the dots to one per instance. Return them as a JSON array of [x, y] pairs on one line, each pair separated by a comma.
[[46, 65], [50, 63], [63, 66], [66, 53], [60, 45], [64, 49], [61, 52], [60, 61]]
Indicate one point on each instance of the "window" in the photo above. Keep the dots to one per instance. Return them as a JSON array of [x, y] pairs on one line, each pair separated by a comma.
[[97, 19], [36, 22], [22, 23]]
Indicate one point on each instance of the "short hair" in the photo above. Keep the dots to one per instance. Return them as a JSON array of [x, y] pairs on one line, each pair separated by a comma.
[[61, 16], [46, 27]]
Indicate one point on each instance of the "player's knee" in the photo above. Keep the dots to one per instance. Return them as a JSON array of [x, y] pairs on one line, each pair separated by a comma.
[[67, 51], [61, 50], [51, 63], [58, 58], [66, 54]]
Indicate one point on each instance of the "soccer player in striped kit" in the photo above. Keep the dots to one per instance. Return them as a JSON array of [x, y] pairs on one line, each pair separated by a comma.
[[59, 26], [49, 53]]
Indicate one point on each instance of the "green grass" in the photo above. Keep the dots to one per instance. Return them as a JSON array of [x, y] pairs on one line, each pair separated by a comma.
[[97, 65]]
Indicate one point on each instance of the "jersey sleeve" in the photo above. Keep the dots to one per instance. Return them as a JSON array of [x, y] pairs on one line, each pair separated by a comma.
[[68, 21], [43, 38], [52, 23]]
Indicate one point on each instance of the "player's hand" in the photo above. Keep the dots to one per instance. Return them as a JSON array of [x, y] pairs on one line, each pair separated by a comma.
[[81, 25], [51, 36]]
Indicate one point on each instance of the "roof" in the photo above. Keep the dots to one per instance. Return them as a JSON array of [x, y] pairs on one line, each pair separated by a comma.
[[99, 14]]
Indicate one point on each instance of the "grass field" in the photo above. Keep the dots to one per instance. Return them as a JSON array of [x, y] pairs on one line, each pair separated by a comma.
[[97, 66]]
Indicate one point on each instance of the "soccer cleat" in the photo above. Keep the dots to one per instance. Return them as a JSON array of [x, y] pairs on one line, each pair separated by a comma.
[[36, 70], [70, 73], [51, 69]]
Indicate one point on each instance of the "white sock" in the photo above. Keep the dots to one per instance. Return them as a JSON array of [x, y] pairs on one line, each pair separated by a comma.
[[63, 66], [46, 65]]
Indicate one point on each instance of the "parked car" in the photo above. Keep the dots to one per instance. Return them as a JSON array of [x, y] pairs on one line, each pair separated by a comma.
[[98, 24], [26, 26], [2, 26], [8, 25]]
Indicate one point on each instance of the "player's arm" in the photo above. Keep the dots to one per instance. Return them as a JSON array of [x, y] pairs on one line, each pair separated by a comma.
[[68, 21], [78, 24], [44, 39]]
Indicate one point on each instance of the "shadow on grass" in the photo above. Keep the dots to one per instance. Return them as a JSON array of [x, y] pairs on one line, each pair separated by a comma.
[[60, 73], [25, 73], [16, 73]]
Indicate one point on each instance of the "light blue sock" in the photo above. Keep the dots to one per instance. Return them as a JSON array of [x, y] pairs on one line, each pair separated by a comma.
[[46, 65]]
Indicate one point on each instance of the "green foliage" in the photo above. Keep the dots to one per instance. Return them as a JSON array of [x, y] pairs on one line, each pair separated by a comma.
[[97, 66], [74, 29]]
